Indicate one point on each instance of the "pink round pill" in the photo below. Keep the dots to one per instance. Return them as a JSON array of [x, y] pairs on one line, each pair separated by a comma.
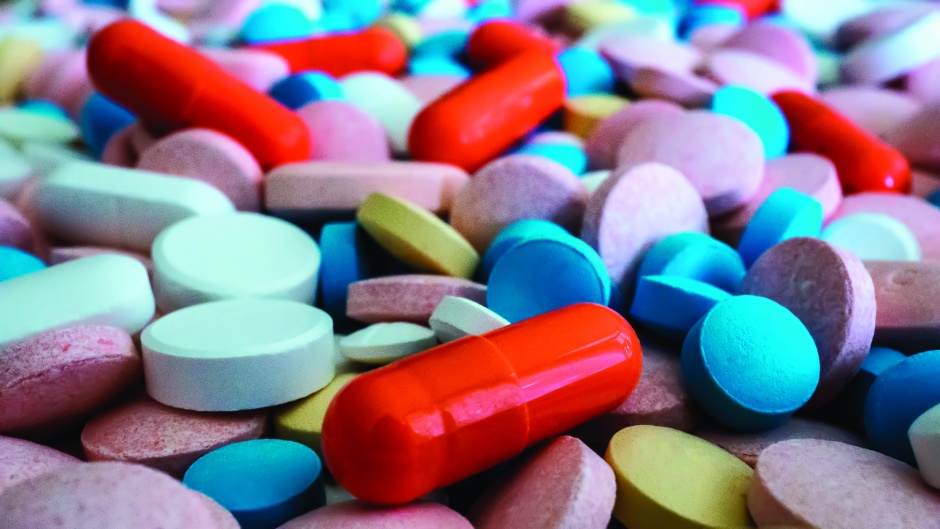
[[877, 110], [915, 138], [923, 183], [360, 515], [407, 298], [682, 88], [140, 138], [783, 45], [514, 188], [211, 157], [602, 145], [923, 82], [429, 88], [15, 229], [120, 150], [730, 66], [628, 54], [341, 132], [258, 69], [55, 378], [21, 460]]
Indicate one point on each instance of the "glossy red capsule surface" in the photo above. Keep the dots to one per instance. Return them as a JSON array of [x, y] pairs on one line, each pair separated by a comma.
[[497, 41], [479, 119], [401, 431], [169, 87], [864, 162], [753, 8], [374, 49]]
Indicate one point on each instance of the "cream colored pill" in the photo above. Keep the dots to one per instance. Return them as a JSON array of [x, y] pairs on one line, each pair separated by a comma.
[[924, 434], [456, 317], [383, 343], [233, 255], [111, 290], [96, 204], [238, 354], [302, 421], [22, 125], [873, 237]]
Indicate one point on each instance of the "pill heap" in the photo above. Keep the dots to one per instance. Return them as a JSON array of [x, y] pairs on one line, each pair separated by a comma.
[[445, 264]]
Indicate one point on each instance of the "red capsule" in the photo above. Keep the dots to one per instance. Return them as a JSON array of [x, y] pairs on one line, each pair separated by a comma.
[[753, 8], [500, 40], [864, 162], [169, 87], [374, 49], [401, 431], [478, 120]]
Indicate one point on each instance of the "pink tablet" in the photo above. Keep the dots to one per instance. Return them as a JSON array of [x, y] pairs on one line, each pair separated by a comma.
[[361, 515], [258, 69], [630, 53], [15, 229], [908, 304], [428, 88], [21, 460], [603, 143], [877, 110], [682, 88], [120, 150], [783, 45], [407, 298], [749, 445], [760, 73], [915, 138], [341, 132]]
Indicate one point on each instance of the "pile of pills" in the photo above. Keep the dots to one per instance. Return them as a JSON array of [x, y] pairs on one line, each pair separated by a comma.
[[456, 264]]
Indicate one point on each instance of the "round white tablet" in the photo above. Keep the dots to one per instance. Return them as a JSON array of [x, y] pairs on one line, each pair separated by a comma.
[[21, 125], [383, 343], [233, 255], [873, 237], [458, 317], [924, 434], [238, 354], [107, 289], [882, 59]]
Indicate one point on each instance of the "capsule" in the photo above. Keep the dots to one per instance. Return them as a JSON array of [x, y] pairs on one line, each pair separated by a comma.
[[170, 87], [374, 49], [752, 8], [430, 420], [497, 41], [481, 118], [864, 162]]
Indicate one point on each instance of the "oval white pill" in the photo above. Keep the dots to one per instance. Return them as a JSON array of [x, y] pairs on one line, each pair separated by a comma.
[[22, 125], [111, 290], [235, 255], [873, 237], [458, 317], [238, 354], [387, 101], [14, 169], [102, 205], [383, 343]]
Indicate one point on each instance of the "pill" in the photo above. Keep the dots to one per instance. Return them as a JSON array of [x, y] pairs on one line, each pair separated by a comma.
[[784, 215], [691, 144], [850, 405], [168, 439], [387, 100], [582, 17], [259, 70], [110, 290], [738, 67], [455, 317], [324, 189], [15, 263], [632, 210], [235, 255], [355, 514], [759, 113], [885, 57], [682, 88], [496, 41], [567, 475], [59, 255], [410, 298], [748, 446], [22, 460], [873, 237], [90, 203], [193, 92], [194, 358], [298, 90], [697, 256], [793, 486], [100, 119], [630, 53], [107, 494], [302, 421], [211, 157], [586, 72], [670, 306], [375, 49], [876, 110], [383, 343], [918, 215], [15, 229], [905, 292], [603, 143], [13, 171], [923, 435], [757, 336], [513, 234], [667, 478], [275, 22], [20, 126], [533, 400], [582, 114], [340, 131], [18, 57], [430, 87], [784, 45], [862, 161], [417, 237], [263, 482], [472, 124], [896, 399]]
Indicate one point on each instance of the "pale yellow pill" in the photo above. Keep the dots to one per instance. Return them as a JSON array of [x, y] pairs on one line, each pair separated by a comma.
[[668, 478], [406, 28], [19, 126], [302, 421], [18, 57], [585, 16], [583, 113], [417, 236]]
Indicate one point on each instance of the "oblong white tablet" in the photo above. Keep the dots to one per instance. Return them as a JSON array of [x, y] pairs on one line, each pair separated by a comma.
[[111, 206], [873, 237], [383, 343], [111, 290], [458, 317], [238, 354], [234, 255], [22, 125], [883, 58], [14, 169]]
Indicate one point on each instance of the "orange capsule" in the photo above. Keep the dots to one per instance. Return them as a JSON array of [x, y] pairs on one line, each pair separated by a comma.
[[500, 40], [864, 162], [374, 49], [478, 120], [169, 87], [752, 8], [430, 420]]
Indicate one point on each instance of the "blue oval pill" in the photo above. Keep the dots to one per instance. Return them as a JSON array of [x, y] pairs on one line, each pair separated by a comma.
[[46, 108], [934, 198], [513, 234], [706, 15], [696, 256], [15, 263], [298, 90], [758, 112], [437, 65], [263, 483], [276, 22], [490, 9], [849, 408], [784, 215], [586, 72], [343, 247], [670, 306], [539, 275], [444, 44], [897, 398], [102, 118], [750, 363], [571, 156]]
